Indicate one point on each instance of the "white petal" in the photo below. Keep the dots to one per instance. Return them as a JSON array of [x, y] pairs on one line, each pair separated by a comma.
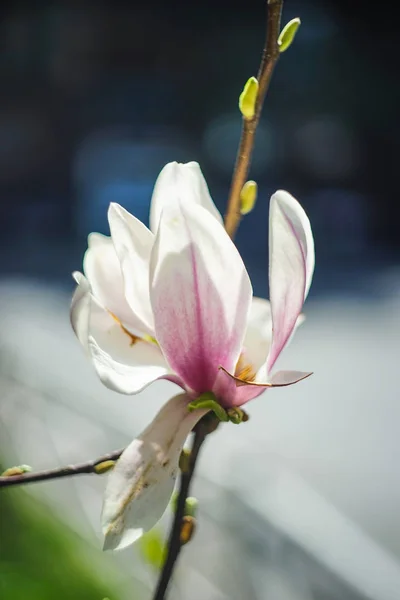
[[291, 255], [302, 229], [180, 182], [103, 271], [123, 363], [140, 485], [142, 364], [200, 293], [258, 336], [80, 309], [133, 243]]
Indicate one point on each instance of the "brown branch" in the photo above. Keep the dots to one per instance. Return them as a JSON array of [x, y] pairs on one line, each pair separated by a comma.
[[249, 126], [174, 541], [68, 471]]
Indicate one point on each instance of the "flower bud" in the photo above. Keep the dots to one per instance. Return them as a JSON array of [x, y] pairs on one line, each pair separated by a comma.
[[248, 197], [184, 460], [237, 415], [287, 34], [14, 471], [187, 529], [191, 505], [104, 466], [248, 98]]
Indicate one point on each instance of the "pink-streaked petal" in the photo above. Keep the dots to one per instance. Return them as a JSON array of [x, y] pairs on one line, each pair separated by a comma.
[[133, 243], [124, 363], [261, 372], [302, 227], [233, 391], [140, 486], [103, 271], [291, 256], [200, 293], [184, 183]]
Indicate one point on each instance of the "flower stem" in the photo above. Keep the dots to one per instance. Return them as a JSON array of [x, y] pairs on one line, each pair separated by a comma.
[[174, 541], [269, 59], [67, 471]]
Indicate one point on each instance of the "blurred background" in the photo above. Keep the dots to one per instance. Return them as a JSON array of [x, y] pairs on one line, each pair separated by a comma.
[[301, 502]]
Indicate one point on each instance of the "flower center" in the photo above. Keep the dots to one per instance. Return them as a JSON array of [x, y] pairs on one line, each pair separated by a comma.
[[134, 338], [245, 371]]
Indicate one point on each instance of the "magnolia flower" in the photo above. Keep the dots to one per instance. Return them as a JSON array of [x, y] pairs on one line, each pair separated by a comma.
[[175, 302]]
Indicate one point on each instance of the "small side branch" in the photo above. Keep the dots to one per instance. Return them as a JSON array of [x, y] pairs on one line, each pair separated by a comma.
[[90, 466]]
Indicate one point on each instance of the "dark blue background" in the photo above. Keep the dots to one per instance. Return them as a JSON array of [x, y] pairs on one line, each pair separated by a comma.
[[97, 97]]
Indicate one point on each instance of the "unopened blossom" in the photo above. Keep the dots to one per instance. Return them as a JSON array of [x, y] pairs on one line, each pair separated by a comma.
[[175, 302]]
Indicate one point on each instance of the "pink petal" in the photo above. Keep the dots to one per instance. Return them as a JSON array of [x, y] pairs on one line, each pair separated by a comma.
[[139, 487], [179, 182], [200, 293], [133, 243], [235, 391], [291, 254]]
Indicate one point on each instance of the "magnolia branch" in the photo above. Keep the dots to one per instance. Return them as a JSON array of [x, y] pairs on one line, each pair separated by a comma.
[[249, 126], [90, 466], [174, 542]]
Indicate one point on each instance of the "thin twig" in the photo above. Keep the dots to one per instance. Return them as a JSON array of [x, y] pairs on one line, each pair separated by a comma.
[[174, 541], [249, 126], [68, 471]]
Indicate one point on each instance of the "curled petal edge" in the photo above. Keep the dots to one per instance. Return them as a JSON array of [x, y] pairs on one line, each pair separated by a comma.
[[279, 379]]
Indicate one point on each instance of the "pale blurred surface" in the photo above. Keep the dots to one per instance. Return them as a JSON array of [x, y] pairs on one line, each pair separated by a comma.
[[300, 503]]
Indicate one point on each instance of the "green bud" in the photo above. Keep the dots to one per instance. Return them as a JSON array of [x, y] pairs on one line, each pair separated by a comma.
[[248, 197], [287, 34], [13, 471], [209, 401], [248, 98], [104, 466], [191, 505], [184, 460], [237, 415]]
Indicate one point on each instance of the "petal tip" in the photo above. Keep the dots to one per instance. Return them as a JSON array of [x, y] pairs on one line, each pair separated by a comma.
[[114, 209], [116, 541], [286, 378], [78, 277]]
